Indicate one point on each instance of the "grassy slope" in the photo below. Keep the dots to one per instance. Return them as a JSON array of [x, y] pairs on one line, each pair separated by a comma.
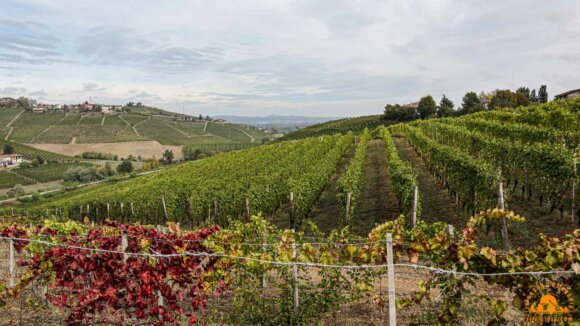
[[150, 123]]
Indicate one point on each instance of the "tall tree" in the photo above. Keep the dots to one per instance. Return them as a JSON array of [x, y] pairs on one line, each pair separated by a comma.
[[521, 99], [470, 103], [8, 149], [533, 96], [503, 99], [445, 108], [543, 94], [25, 103], [125, 167], [168, 156], [427, 107], [524, 91]]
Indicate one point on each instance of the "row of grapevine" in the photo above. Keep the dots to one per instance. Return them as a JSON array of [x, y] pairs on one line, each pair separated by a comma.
[[473, 179], [547, 168], [350, 182], [563, 115], [137, 274], [220, 184], [521, 132], [403, 178]]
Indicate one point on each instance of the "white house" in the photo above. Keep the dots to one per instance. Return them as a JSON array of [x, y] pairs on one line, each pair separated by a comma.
[[10, 159]]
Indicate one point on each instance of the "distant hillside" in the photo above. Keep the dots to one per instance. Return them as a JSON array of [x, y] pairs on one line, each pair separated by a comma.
[[337, 126], [281, 123], [276, 120], [141, 124]]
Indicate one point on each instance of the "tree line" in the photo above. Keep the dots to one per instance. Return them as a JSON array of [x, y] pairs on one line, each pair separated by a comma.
[[471, 103]]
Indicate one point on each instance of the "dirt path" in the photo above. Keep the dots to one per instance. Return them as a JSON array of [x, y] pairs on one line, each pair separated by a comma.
[[9, 125], [378, 201], [33, 187], [539, 219], [205, 127], [436, 203], [138, 123], [252, 139], [326, 212], [48, 128], [103, 119]]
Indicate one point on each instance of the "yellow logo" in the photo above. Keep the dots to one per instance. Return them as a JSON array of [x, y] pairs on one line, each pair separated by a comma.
[[549, 303]]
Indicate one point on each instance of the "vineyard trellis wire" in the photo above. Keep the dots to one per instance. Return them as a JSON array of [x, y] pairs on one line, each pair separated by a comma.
[[301, 261]]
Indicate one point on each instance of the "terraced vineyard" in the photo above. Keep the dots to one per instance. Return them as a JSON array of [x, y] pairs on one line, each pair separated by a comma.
[[61, 128]]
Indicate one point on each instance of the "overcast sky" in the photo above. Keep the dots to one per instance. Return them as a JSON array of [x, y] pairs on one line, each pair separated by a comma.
[[304, 57]]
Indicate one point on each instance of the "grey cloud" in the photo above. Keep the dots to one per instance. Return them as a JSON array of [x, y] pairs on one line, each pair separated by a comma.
[[341, 17], [11, 90], [28, 42], [109, 45], [38, 93], [92, 87], [145, 95]]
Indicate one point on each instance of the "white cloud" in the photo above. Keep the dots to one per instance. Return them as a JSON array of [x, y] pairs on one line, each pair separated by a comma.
[[317, 57]]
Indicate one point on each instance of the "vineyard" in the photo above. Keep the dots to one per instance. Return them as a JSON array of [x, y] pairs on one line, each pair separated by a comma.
[[484, 201], [61, 128]]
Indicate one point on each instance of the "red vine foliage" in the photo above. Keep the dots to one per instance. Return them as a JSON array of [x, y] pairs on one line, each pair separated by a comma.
[[103, 285]]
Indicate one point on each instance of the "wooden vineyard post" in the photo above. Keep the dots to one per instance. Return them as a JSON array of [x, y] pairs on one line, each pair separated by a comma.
[[295, 278], [88, 210], [450, 230], [132, 210], [124, 245], [248, 208], [391, 281], [216, 211], [81, 212], [108, 210], [347, 209], [501, 206], [164, 207], [12, 263], [573, 209], [189, 212], [292, 221], [122, 215], [415, 199], [264, 250]]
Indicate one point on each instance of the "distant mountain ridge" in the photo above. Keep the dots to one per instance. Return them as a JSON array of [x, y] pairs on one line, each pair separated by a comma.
[[280, 120]]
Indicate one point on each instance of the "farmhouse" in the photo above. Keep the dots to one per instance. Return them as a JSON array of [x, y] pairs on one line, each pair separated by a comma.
[[575, 93], [413, 105], [220, 121], [38, 109], [10, 159], [8, 102]]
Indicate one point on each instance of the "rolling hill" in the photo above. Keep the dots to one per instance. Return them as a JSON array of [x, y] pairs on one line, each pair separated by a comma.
[[144, 131]]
